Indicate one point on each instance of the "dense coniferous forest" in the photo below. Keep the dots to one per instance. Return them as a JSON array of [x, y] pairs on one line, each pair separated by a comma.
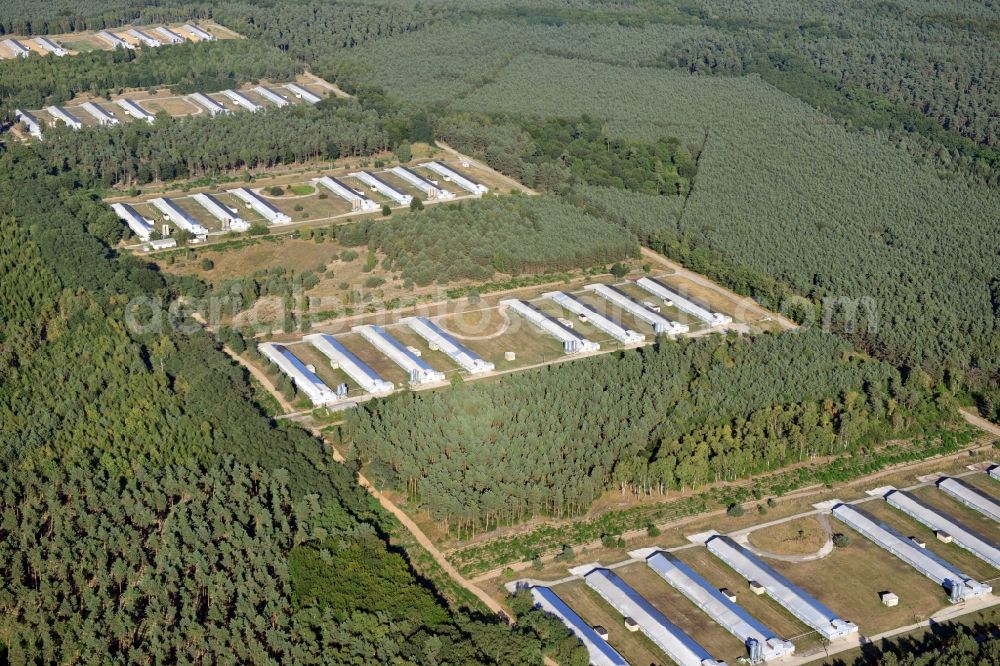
[[678, 415]]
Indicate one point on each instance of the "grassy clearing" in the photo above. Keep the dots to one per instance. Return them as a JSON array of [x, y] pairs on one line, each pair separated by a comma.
[[795, 537]]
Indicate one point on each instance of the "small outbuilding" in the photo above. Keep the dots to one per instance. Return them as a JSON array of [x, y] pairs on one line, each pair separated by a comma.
[[631, 624], [601, 631], [728, 594], [889, 599], [756, 588]]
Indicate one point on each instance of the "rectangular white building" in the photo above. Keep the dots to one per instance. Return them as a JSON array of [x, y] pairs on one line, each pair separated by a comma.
[[209, 104], [140, 226], [114, 40], [133, 109], [223, 213], [572, 341], [606, 324], [962, 535], [51, 46], [432, 191], [661, 325], [667, 295], [17, 48], [601, 654], [959, 586], [271, 96], [99, 114], [145, 38], [357, 201], [385, 188], [995, 472], [168, 35], [180, 217], [302, 93], [304, 379], [259, 204], [453, 176], [30, 121], [419, 372], [798, 602], [198, 32], [59, 113], [341, 357], [242, 100], [665, 634], [437, 338], [971, 497], [762, 643]]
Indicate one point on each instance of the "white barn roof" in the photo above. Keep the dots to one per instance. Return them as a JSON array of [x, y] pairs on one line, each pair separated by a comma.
[[242, 100], [51, 46], [665, 634], [271, 96], [114, 40], [353, 367], [145, 38], [357, 201], [965, 537], [97, 112], [209, 104], [169, 35], [606, 324], [305, 379], [198, 32], [572, 341], [62, 114], [663, 292], [464, 182], [418, 370], [727, 614], [416, 180], [19, 49], [179, 216], [221, 212], [259, 204], [798, 602], [930, 565], [971, 497], [460, 354], [385, 188], [133, 109], [601, 654], [302, 93], [139, 225], [661, 325], [30, 121]]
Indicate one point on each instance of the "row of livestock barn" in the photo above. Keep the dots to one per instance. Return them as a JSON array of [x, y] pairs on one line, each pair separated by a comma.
[[762, 643]]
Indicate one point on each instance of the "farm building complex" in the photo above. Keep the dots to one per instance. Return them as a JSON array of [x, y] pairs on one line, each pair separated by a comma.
[[571, 341], [661, 325], [418, 371], [305, 379], [359, 202], [133, 109], [51, 46], [670, 297], [431, 190], [450, 175], [99, 113], [959, 586], [971, 497], [230, 220], [383, 187], [174, 213], [259, 204], [439, 340], [585, 313], [139, 225], [342, 358]]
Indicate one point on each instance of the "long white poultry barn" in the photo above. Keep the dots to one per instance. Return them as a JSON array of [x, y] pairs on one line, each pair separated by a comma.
[[51, 46], [427, 187], [995, 472], [342, 358], [460, 354], [661, 325], [209, 104], [385, 188], [417, 369], [242, 100], [198, 32], [762, 643], [133, 109], [169, 35], [666, 294], [99, 114], [959, 586], [223, 213], [139, 225], [971, 497], [450, 174], [179, 216], [798, 602], [962, 535], [304, 379], [114, 40], [30, 121], [601, 654], [357, 201], [302, 93], [271, 96], [145, 38], [665, 634], [62, 114], [255, 201], [614, 329], [572, 341], [17, 48]]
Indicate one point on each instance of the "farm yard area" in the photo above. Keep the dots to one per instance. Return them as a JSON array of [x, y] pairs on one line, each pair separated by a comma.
[[149, 36], [785, 575]]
